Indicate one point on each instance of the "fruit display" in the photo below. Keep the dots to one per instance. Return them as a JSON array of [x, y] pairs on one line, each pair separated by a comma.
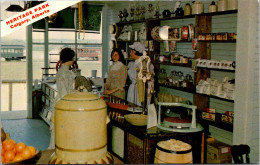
[[15, 152]]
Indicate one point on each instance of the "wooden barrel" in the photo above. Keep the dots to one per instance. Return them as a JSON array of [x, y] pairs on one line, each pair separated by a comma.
[[168, 154], [80, 129]]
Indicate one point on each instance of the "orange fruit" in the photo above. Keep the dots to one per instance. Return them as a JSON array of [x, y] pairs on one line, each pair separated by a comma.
[[8, 145], [2, 151], [2, 159], [9, 155], [26, 153], [18, 154], [18, 158], [14, 150], [20, 147], [9, 140], [32, 149]]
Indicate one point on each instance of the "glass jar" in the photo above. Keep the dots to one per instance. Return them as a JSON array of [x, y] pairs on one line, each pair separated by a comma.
[[180, 79], [189, 81], [171, 78]]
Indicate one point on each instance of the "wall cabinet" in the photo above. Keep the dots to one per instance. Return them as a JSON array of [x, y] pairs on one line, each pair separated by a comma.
[[203, 24]]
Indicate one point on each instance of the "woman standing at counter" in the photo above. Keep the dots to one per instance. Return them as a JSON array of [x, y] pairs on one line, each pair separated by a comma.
[[117, 75], [65, 83], [137, 50]]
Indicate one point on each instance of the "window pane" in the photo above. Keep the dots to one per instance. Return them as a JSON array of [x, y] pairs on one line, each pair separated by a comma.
[[61, 36], [38, 61], [94, 62], [38, 37], [89, 38], [13, 65]]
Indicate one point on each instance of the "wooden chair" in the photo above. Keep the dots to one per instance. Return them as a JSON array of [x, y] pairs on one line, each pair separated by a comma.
[[238, 151]]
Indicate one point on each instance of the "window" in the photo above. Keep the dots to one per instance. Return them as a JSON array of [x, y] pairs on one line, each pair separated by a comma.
[[65, 35], [13, 66]]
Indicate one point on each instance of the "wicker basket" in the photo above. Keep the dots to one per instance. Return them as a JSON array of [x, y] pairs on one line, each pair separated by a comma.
[[136, 119]]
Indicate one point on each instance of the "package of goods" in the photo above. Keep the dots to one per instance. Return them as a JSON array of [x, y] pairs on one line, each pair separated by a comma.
[[208, 116], [218, 152], [199, 87], [211, 110], [211, 116], [229, 113], [212, 81], [229, 90], [206, 88], [227, 119]]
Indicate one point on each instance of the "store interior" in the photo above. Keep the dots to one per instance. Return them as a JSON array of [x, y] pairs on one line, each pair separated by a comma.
[[186, 91]]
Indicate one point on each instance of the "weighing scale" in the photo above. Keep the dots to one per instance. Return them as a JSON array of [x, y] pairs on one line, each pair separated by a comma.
[[173, 122]]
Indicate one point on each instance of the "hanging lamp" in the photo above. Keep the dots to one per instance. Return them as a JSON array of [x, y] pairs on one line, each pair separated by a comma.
[[14, 8]]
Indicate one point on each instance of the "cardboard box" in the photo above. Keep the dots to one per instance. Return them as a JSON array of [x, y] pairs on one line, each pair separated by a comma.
[[218, 152]]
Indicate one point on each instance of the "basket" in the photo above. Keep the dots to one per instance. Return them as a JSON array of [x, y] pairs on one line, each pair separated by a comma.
[[136, 119]]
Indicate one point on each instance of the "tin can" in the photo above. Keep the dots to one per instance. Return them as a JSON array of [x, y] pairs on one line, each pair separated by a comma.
[[219, 36], [225, 36], [208, 36]]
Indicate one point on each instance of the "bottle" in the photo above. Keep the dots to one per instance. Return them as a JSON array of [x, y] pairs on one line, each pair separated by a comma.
[[212, 7], [171, 79], [187, 9]]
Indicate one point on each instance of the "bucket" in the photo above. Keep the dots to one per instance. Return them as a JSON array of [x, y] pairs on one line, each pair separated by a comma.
[[173, 151]]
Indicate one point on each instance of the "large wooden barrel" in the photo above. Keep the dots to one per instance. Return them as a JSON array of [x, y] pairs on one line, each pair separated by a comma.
[[173, 151], [81, 130]]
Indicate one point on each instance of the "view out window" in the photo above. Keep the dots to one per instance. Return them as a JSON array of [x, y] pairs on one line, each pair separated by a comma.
[[63, 34], [13, 65]]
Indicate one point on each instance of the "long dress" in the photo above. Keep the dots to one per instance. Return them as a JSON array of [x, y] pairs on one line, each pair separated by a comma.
[[65, 84], [117, 76], [132, 95]]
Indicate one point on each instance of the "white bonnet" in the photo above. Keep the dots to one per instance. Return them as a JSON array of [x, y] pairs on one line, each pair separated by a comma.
[[137, 46]]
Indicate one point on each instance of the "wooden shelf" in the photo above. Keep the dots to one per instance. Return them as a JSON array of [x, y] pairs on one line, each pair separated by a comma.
[[194, 92], [218, 41], [221, 125], [216, 97], [180, 17], [173, 64], [223, 70], [181, 41], [220, 13], [203, 24], [179, 88]]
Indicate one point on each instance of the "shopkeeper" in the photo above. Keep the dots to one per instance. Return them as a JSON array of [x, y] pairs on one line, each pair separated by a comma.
[[65, 83], [137, 50], [117, 75]]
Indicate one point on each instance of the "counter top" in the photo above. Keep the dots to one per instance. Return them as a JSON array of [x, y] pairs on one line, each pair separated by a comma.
[[142, 131]]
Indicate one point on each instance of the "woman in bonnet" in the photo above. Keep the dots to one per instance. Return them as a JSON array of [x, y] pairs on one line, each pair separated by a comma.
[[137, 50], [117, 75]]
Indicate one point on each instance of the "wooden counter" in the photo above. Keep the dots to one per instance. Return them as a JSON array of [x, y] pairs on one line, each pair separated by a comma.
[[137, 145], [46, 154]]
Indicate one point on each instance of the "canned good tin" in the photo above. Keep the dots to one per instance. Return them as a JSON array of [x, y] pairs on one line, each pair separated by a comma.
[[225, 36], [219, 36]]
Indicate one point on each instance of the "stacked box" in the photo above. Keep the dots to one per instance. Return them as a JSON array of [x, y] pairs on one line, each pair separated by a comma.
[[218, 152]]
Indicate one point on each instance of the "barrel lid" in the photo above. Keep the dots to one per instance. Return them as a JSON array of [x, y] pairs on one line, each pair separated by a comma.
[[80, 96], [174, 146]]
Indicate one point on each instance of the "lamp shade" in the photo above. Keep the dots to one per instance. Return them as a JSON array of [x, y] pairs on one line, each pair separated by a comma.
[[14, 8]]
